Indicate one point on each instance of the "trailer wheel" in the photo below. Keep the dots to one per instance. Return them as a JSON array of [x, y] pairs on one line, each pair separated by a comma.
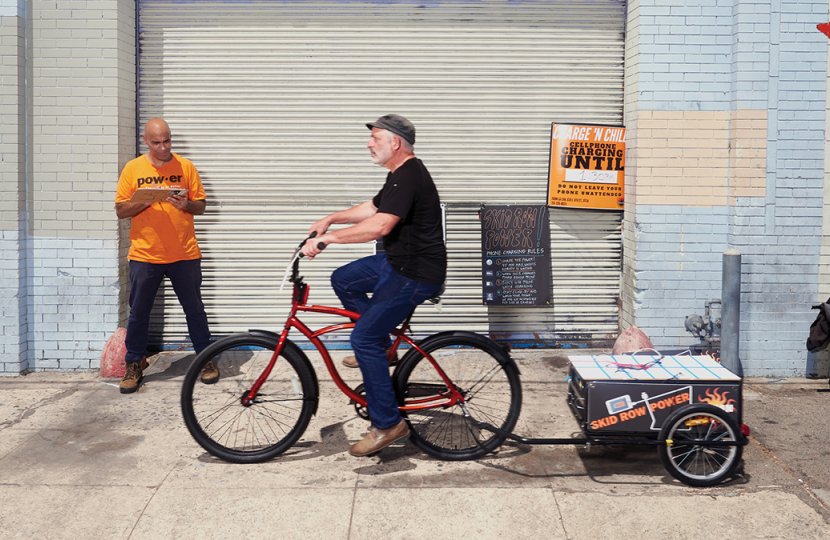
[[692, 452]]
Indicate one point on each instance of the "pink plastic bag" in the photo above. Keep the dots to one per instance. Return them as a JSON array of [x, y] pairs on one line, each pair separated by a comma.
[[630, 340], [112, 357]]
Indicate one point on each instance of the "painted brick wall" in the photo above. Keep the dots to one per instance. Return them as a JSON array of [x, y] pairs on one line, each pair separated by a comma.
[[81, 130], [13, 248], [727, 151], [81, 143]]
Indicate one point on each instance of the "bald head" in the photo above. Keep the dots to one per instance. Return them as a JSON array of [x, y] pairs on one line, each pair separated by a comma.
[[158, 140], [156, 126]]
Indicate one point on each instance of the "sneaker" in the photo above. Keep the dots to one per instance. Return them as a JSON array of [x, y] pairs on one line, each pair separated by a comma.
[[378, 439], [133, 376], [210, 373], [391, 357]]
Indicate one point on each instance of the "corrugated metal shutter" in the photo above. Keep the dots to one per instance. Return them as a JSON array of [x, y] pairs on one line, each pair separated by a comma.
[[269, 99]]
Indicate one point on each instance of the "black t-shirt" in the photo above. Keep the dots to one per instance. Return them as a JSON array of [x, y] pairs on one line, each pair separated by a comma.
[[415, 247]]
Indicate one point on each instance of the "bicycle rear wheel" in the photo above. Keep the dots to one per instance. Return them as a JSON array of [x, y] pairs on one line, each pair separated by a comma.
[[482, 372], [276, 418]]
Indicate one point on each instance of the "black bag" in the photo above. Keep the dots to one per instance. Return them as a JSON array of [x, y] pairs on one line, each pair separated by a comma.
[[820, 329]]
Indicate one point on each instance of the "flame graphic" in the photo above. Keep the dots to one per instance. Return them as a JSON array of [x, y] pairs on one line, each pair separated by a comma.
[[716, 398]]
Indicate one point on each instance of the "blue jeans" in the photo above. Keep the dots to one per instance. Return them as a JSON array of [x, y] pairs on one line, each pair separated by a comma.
[[145, 278], [394, 297]]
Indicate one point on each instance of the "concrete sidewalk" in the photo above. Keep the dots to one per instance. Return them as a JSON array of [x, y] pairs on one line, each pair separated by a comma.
[[80, 460]]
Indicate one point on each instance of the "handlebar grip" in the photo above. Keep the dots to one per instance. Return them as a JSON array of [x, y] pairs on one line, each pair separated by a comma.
[[309, 237]]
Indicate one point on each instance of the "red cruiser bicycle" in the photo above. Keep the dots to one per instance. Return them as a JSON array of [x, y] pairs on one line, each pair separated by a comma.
[[450, 385]]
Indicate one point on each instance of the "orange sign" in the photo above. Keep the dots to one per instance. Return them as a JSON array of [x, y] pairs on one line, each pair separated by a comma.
[[587, 166]]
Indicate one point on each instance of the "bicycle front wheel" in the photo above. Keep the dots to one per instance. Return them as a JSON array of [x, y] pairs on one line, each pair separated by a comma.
[[486, 377], [255, 431]]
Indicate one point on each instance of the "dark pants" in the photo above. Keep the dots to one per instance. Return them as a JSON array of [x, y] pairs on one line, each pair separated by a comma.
[[145, 278], [394, 296]]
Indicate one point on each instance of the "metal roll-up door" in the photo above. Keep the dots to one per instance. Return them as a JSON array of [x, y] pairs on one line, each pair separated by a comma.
[[269, 100]]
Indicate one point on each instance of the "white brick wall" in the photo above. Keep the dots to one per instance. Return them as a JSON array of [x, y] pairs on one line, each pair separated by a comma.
[[57, 217]]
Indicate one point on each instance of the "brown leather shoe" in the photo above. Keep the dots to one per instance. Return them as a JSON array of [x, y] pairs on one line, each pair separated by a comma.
[[210, 373], [133, 376], [378, 439], [391, 357]]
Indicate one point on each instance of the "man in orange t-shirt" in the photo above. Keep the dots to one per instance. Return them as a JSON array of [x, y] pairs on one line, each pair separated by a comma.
[[162, 244]]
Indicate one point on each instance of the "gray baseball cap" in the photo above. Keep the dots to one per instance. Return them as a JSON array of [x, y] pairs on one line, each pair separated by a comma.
[[397, 124]]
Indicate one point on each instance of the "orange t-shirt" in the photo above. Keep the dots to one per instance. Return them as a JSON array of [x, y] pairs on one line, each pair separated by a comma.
[[162, 233]]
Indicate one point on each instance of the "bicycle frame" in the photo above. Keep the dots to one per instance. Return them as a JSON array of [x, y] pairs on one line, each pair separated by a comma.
[[299, 303]]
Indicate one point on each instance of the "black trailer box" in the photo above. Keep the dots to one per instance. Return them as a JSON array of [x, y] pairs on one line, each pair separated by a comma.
[[635, 394]]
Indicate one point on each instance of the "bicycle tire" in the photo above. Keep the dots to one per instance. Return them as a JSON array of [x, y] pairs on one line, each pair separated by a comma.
[[222, 425], [487, 377], [693, 464]]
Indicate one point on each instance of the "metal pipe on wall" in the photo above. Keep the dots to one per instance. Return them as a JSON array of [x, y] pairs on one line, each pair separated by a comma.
[[731, 311]]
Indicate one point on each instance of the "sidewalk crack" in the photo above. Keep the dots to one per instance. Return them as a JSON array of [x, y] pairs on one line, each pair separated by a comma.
[[32, 409]]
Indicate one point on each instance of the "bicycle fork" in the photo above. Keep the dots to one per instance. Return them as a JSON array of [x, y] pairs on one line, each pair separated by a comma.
[[249, 398]]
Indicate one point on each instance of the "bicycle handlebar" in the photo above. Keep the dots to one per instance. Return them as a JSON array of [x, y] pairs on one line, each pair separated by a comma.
[[294, 266], [320, 245]]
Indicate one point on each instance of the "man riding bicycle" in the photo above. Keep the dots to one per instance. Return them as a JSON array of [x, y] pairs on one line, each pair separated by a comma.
[[406, 214]]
